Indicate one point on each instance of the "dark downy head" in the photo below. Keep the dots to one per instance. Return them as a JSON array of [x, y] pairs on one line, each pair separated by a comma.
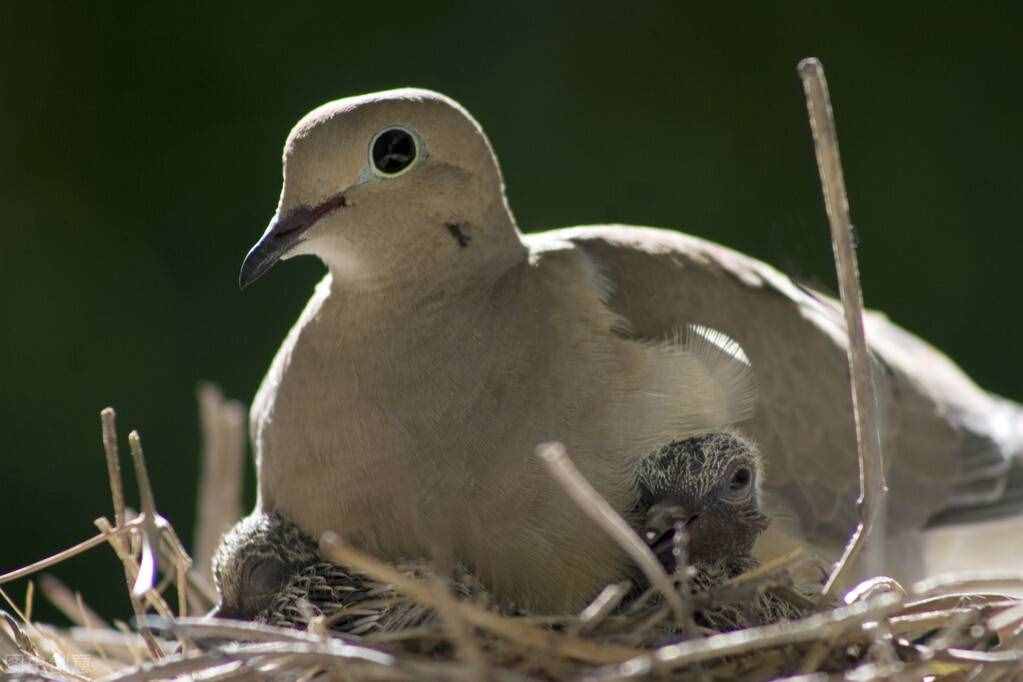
[[255, 561], [709, 485]]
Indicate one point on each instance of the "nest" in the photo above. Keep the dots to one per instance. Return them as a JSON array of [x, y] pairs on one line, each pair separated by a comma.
[[719, 622], [722, 621]]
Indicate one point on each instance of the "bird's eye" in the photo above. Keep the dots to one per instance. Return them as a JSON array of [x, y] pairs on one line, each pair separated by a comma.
[[393, 151], [264, 576], [740, 480]]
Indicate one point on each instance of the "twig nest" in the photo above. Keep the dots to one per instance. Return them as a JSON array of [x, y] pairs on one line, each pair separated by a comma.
[[873, 587]]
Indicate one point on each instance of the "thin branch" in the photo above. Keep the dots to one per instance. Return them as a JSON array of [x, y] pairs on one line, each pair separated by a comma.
[[811, 629], [600, 608], [123, 547], [969, 581], [193, 591], [66, 554], [30, 593], [131, 571], [596, 507], [199, 629], [70, 604], [870, 503], [356, 659], [151, 595], [1010, 616], [108, 419], [149, 565], [767, 568]]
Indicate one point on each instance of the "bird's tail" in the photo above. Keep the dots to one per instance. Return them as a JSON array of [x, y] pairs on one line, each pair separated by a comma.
[[992, 483]]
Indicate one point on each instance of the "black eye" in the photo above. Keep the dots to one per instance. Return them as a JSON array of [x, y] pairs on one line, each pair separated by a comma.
[[393, 151], [740, 479]]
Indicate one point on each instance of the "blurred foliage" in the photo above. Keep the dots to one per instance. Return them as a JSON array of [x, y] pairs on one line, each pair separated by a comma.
[[142, 157]]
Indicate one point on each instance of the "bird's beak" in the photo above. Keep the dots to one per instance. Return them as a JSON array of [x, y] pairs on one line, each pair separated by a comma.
[[662, 522], [283, 232], [286, 229]]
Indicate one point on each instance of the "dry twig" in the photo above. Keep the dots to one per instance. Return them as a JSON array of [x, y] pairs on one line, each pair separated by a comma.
[[69, 603], [596, 507], [64, 555], [811, 629], [552, 642], [872, 484]]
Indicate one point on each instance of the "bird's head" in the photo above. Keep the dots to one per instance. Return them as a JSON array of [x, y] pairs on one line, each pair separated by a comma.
[[710, 486], [402, 181], [254, 561]]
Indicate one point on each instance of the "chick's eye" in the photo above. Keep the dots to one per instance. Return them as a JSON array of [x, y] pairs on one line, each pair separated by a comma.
[[265, 576], [393, 151], [740, 479]]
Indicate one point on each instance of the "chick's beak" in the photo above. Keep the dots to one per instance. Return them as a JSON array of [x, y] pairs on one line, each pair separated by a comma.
[[662, 522]]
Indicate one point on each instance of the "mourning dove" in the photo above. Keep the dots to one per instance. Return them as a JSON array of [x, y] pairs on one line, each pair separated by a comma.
[[404, 406]]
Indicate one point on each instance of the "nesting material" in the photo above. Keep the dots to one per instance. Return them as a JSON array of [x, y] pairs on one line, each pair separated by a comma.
[[744, 620], [290, 584], [268, 571]]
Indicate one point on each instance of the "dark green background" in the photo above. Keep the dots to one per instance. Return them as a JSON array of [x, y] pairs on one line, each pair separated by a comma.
[[141, 158]]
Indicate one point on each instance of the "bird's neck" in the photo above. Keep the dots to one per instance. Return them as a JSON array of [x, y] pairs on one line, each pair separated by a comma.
[[450, 262]]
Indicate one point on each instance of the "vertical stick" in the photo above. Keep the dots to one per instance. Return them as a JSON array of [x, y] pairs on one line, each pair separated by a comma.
[[148, 566], [220, 484], [123, 546], [868, 443], [108, 419]]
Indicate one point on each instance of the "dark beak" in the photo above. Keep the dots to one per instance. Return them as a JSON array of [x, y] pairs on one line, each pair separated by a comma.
[[664, 521], [281, 235], [663, 518]]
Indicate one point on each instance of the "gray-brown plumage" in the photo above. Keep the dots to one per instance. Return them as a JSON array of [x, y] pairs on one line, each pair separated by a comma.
[[444, 345]]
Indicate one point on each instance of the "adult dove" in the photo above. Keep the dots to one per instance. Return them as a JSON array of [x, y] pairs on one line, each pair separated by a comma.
[[404, 406]]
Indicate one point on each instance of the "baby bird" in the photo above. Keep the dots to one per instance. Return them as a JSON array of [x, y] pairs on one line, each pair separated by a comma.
[[268, 570], [708, 485]]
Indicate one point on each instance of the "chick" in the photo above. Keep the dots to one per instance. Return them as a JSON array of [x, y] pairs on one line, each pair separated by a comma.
[[268, 570], [708, 485]]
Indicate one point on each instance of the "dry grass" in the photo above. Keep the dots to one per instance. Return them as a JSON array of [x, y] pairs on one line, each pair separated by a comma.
[[947, 628], [934, 628]]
